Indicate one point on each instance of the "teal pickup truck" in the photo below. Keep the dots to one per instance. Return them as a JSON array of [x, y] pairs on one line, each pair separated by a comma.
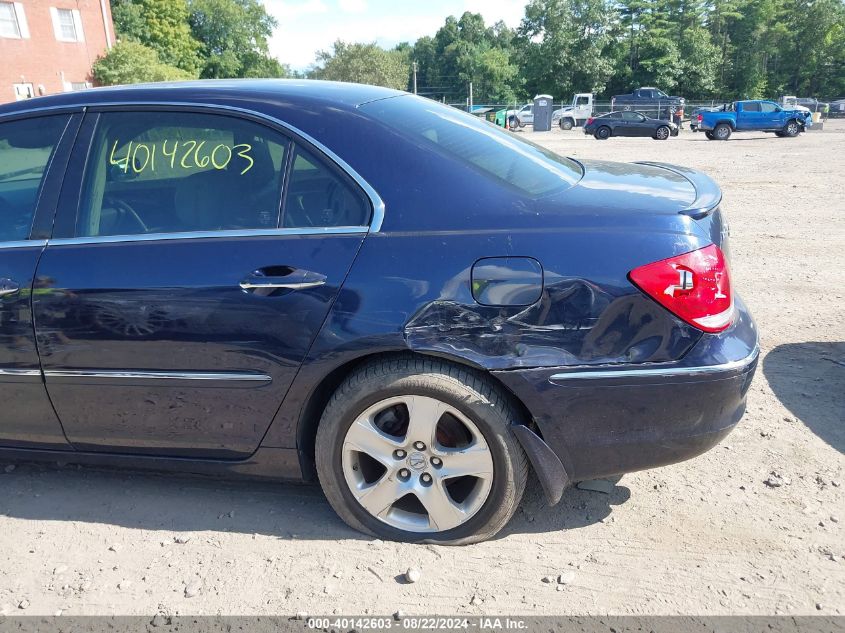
[[753, 116]]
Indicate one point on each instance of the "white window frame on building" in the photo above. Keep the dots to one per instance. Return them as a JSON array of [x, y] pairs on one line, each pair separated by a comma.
[[23, 91], [13, 21], [67, 25]]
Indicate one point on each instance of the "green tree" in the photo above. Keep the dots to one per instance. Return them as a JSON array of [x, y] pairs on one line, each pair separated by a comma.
[[566, 46], [131, 62], [363, 63], [233, 38], [161, 25], [812, 46], [465, 50]]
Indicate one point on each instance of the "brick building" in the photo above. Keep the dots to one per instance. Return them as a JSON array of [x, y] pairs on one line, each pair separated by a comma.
[[49, 46]]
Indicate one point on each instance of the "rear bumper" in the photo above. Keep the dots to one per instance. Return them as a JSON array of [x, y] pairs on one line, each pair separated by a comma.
[[609, 420]]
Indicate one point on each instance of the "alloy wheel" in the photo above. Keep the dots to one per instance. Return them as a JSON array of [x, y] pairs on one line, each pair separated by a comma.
[[417, 464]]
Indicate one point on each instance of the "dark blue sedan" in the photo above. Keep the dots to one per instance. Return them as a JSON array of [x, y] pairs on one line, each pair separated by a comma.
[[349, 284]]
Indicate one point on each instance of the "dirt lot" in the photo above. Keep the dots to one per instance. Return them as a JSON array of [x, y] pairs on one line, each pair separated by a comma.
[[708, 536]]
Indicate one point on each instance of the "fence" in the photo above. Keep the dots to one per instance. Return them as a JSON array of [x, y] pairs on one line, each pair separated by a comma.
[[662, 109]]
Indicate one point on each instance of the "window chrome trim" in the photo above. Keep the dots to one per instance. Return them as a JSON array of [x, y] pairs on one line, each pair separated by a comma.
[[375, 199], [23, 244], [205, 235], [657, 372], [158, 375]]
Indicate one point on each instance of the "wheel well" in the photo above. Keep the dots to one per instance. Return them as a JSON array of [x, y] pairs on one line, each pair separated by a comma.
[[309, 419]]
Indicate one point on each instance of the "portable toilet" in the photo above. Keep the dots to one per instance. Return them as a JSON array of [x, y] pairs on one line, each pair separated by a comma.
[[543, 108]]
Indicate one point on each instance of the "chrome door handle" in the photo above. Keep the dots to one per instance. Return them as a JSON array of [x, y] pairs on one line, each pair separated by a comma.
[[8, 287], [300, 285], [265, 280]]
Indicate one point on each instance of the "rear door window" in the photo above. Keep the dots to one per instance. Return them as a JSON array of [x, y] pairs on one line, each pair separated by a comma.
[[318, 196], [173, 172], [26, 147]]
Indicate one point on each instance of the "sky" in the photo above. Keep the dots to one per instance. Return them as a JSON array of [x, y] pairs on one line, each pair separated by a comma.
[[306, 26]]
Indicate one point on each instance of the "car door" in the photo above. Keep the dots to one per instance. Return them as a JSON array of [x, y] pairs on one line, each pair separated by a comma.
[[748, 115], [771, 116], [635, 124], [182, 289], [33, 155]]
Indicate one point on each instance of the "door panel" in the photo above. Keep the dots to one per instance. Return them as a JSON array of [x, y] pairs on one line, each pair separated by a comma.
[[27, 147], [26, 417], [174, 311], [131, 335], [748, 116]]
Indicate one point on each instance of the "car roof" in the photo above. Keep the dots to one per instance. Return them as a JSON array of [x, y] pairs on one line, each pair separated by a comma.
[[295, 92]]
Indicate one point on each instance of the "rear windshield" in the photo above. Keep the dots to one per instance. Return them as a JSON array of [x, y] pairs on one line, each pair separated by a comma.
[[503, 155]]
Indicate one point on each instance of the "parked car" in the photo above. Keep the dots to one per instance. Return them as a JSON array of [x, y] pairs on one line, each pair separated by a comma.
[[236, 277], [628, 123], [804, 103], [757, 116], [837, 107], [575, 114], [650, 101]]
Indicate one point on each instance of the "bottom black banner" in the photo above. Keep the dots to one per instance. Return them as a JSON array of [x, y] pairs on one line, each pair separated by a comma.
[[421, 623]]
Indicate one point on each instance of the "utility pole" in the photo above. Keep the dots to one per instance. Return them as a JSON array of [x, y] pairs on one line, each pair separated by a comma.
[[470, 96], [415, 76]]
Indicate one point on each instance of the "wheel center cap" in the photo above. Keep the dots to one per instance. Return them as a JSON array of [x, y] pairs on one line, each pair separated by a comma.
[[416, 460]]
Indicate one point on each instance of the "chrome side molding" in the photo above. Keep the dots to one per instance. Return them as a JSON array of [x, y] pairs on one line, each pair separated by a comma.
[[655, 372], [20, 372], [130, 375]]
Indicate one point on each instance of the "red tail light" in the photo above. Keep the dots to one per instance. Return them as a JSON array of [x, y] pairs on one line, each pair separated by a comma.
[[695, 286], [590, 121], [700, 118]]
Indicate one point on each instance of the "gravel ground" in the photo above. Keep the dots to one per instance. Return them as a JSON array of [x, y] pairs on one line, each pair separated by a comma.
[[752, 527]]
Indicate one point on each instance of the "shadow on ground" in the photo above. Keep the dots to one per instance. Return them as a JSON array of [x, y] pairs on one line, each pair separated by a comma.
[[185, 503], [809, 380]]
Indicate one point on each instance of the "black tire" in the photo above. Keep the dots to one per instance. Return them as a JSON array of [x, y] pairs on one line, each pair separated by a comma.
[[566, 124], [469, 391], [603, 133], [662, 133], [792, 128], [513, 123], [709, 136], [722, 132]]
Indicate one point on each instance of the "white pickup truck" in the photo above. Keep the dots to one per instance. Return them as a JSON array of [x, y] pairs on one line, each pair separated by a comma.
[[520, 117], [576, 113]]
